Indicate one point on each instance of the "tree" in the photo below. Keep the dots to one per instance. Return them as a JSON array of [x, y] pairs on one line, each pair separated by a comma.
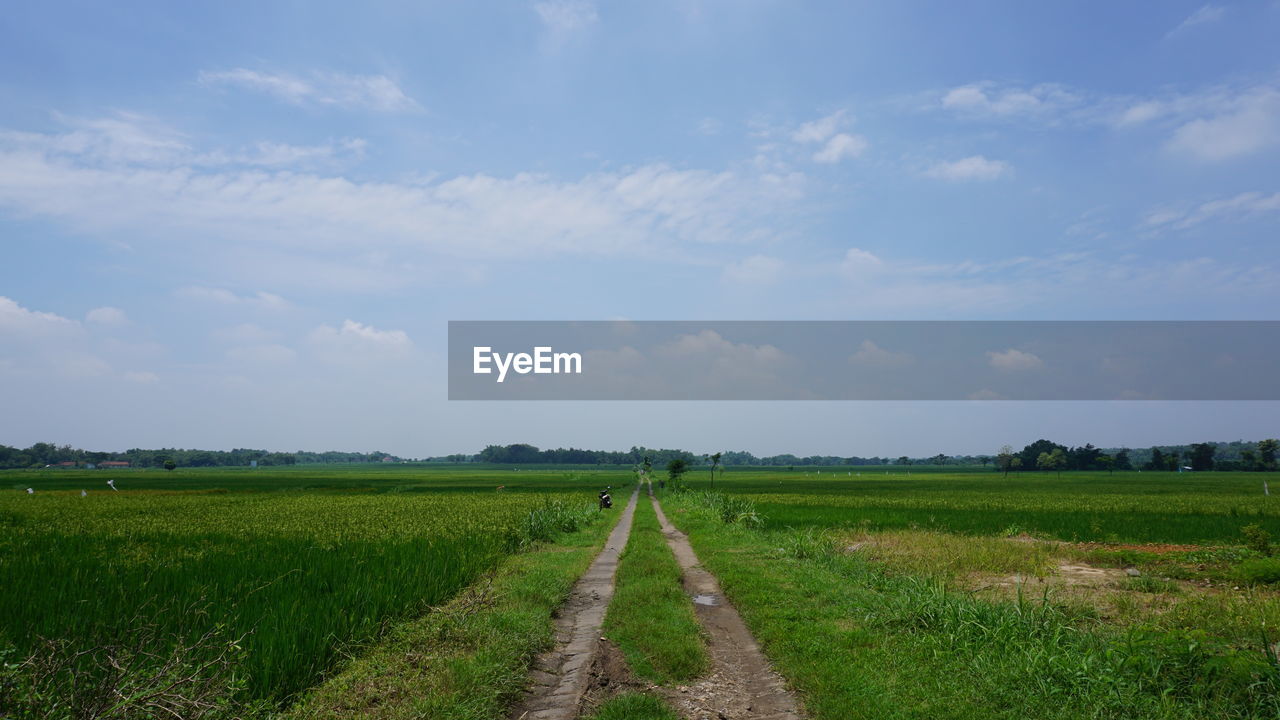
[[1005, 459], [1031, 453], [1122, 460], [1052, 461], [170, 464], [1157, 461], [1202, 456], [1248, 459], [1108, 463], [1267, 453], [676, 468], [904, 460], [715, 463]]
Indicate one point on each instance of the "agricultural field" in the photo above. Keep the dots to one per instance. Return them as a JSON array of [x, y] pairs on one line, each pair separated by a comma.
[[269, 577], [874, 591], [940, 595]]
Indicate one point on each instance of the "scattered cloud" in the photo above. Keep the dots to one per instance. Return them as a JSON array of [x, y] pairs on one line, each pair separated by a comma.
[[975, 167], [859, 262], [1013, 360], [377, 93], [817, 131], [1237, 127], [562, 17], [106, 316], [130, 139], [991, 100], [835, 146], [355, 342], [17, 320], [1206, 14], [646, 209], [709, 126], [841, 146], [1240, 207], [754, 270], [871, 354], [1213, 124], [220, 296]]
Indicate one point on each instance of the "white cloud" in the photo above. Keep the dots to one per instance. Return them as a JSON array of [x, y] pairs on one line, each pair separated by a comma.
[[988, 99], [566, 16], [1206, 14], [1240, 126], [841, 147], [975, 167], [1244, 206], [125, 139], [1014, 360], [754, 270], [645, 209], [709, 126], [816, 131], [836, 146], [17, 320], [221, 296], [355, 342], [366, 92], [873, 355], [858, 262], [108, 316]]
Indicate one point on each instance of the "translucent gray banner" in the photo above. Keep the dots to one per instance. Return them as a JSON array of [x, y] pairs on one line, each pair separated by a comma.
[[858, 360]]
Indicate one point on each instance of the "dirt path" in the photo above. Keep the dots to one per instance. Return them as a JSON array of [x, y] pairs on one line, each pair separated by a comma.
[[561, 675], [741, 683]]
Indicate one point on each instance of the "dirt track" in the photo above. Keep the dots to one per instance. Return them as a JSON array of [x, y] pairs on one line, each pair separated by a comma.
[[741, 684], [584, 669], [560, 676]]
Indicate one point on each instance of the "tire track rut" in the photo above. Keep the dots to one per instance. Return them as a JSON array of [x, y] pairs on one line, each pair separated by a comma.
[[560, 676], [742, 684]]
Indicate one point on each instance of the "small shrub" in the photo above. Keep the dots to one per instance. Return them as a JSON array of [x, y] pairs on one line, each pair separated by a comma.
[[1148, 584], [1257, 539], [810, 544], [1260, 570]]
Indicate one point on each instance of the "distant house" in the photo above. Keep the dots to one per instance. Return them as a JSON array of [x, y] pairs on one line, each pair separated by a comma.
[[69, 463], [388, 458], [113, 464]]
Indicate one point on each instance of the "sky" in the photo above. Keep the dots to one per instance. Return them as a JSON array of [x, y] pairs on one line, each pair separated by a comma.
[[245, 224]]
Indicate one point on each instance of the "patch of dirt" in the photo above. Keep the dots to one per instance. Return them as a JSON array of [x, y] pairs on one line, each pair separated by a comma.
[[1156, 548], [610, 675]]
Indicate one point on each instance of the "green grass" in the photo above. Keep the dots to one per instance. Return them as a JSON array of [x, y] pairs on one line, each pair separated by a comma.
[[634, 706], [861, 642], [469, 659], [650, 618], [1209, 507], [296, 577]]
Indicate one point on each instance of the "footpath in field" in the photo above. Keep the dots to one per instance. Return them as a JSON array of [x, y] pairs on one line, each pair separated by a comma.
[[741, 684], [561, 675]]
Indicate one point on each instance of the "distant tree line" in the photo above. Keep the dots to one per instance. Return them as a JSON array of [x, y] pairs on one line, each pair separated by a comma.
[[42, 454], [1042, 455], [1046, 455]]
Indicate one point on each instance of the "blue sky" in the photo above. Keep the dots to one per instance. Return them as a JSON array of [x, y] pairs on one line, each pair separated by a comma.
[[247, 224]]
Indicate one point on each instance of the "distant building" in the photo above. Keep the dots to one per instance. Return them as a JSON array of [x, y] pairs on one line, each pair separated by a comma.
[[69, 463], [388, 458], [113, 464]]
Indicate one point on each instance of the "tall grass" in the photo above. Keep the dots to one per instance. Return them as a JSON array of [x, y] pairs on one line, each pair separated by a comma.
[[296, 578]]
